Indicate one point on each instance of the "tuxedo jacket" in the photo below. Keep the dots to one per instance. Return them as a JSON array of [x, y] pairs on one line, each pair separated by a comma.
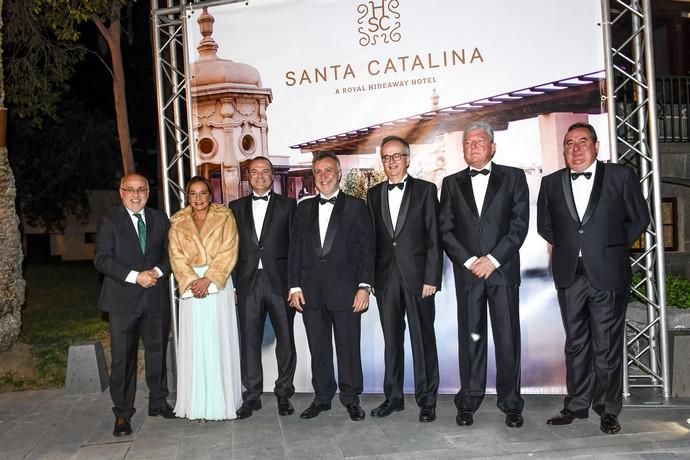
[[271, 246], [500, 230], [414, 247], [330, 275], [118, 252], [616, 215]]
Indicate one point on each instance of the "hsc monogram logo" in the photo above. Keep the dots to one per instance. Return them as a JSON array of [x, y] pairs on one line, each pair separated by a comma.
[[379, 22]]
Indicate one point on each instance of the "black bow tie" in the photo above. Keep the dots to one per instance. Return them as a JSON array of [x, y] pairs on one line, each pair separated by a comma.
[[575, 175], [399, 185], [330, 200], [483, 172], [256, 197]]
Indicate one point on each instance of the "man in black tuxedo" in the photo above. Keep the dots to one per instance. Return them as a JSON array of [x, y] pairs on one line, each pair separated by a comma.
[[260, 277], [409, 262], [132, 255], [484, 219], [591, 213], [330, 272]]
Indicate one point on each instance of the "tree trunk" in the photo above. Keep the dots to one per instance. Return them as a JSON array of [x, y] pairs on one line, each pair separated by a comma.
[[11, 283], [111, 35]]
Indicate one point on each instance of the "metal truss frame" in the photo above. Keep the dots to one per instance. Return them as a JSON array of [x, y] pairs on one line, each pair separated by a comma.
[[633, 140], [631, 97]]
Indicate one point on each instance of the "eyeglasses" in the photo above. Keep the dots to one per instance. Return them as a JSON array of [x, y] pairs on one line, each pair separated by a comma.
[[132, 191], [396, 156]]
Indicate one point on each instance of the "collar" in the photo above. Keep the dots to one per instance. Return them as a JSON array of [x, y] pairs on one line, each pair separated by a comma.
[[486, 166], [131, 213], [591, 168], [268, 194], [403, 181], [335, 194]]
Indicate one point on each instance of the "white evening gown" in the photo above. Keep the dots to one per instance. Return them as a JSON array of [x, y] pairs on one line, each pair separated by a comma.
[[209, 385]]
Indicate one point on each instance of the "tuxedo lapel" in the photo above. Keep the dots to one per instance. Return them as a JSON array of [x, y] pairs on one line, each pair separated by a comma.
[[249, 221], [333, 224], [568, 194], [386, 210], [595, 194], [404, 206], [313, 229], [467, 192], [492, 188]]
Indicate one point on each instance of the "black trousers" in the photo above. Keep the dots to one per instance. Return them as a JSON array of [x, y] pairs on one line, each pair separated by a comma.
[[594, 322], [394, 303], [503, 302], [252, 317], [321, 326], [125, 331]]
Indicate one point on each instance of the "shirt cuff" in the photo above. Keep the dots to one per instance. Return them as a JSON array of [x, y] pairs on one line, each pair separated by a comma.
[[364, 285], [493, 260], [295, 289], [132, 277], [159, 271], [469, 262]]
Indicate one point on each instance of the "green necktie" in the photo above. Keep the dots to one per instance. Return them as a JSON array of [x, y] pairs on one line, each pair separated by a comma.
[[141, 229]]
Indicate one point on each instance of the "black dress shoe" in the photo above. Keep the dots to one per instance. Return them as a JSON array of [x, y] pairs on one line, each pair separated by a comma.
[[165, 411], [355, 412], [427, 414], [609, 424], [248, 407], [314, 409], [514, 419], [464, 418], [284, 406], [122, 427], [566, 417], [387, 408]]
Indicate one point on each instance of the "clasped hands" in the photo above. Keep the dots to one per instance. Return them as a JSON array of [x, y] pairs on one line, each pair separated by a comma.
[[147, 278], [360, 303], [482, 267], [199, 287]]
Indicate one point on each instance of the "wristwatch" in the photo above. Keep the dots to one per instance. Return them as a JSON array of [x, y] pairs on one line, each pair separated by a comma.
[[365, 288]]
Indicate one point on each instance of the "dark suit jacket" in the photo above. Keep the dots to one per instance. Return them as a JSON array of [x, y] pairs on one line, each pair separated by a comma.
[[272, 246], [415, 245], [616, 215], [500, 231], [329, 276], [118, 252]]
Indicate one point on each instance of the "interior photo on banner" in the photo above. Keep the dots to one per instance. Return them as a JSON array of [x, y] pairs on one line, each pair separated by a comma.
[[290, 78]]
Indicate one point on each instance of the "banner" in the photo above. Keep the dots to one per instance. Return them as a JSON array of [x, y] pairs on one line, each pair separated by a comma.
[[289, 78]]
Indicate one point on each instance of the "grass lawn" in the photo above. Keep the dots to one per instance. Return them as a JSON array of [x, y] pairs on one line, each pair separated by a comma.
[[60, 309]]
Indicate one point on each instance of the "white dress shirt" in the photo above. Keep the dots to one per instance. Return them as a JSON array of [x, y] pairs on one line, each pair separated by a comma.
[[395, 197], [582, 189], [480, 183], [259, 208]]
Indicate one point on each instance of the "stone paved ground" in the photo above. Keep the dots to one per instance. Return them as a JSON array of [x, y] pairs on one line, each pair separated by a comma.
[[51, 425]]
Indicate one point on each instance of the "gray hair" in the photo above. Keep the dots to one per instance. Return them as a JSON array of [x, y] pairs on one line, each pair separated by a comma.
[[323, 155], [405, 144], [479, 125]]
